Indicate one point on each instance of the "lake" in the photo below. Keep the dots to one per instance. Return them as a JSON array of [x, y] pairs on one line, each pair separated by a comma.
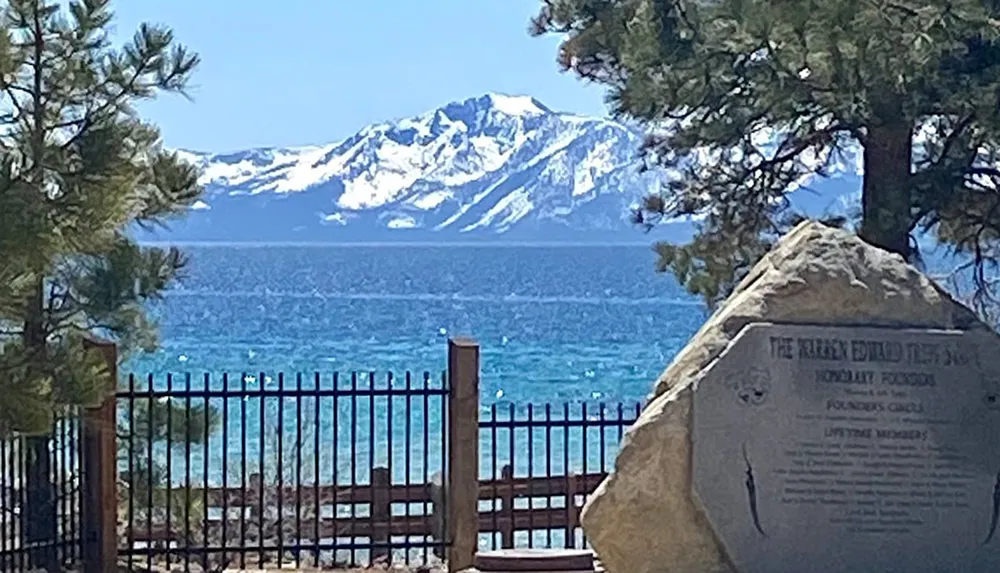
[[555, 324]]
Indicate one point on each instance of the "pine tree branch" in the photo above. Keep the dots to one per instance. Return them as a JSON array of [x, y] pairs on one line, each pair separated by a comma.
[[9, 90], [957, 132], [983, 295], [982, 171], [78, 122], [91, 119], [129, 88], [19, 88], [788, 74], [25, 359]]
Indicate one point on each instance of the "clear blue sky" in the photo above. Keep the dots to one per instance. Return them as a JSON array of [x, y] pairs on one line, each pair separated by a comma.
[[300, 72]]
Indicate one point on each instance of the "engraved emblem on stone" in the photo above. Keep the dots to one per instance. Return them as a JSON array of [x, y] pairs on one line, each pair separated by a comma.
[[992, 400], [995, 516], [754, 388], [751, 485], [991, 390]]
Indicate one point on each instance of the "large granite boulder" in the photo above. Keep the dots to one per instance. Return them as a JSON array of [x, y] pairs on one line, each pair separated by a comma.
[[644, 517]]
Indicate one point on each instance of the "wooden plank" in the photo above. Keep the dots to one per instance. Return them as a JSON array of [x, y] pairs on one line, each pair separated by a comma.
[[328, 494], [99, 500], [438, 518], [414, 493], [505, 493], [572, 512], [505, 489], [381, 513], [539, 486], [345, 527], [462, 470], [537, 519], [530, 560]]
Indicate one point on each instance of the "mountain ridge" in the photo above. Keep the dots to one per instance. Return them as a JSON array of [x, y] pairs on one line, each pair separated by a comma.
[[491, 167]]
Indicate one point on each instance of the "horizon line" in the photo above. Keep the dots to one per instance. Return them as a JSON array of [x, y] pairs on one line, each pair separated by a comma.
[[254, 244]]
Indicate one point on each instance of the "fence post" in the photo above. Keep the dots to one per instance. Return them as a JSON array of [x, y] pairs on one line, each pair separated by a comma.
[[381, 508], [438, 495], [99, 499], [572, 513], [254, 498], [507, 507], [462, 481]]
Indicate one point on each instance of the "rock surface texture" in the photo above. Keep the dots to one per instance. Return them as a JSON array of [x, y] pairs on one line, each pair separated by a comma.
[[644, 518]]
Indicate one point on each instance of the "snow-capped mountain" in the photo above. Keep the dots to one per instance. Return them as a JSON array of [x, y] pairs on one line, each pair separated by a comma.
[[495, 166]]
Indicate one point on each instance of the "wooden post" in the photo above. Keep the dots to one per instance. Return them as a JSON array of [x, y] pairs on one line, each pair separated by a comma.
[[380, 511], [99, 499], [572, 513], [462, 469], [438, 495], [507, 508], [255, 499]]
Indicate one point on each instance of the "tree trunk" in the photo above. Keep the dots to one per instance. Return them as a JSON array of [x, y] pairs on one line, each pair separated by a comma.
[[886, 204], [42, 517], [41, 500]]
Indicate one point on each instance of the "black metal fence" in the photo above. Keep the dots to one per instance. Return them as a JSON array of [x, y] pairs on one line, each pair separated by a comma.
[[556, 454], [258, 470], [40, 499]]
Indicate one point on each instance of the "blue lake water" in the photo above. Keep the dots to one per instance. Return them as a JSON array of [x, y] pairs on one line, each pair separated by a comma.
[[555, 323], [567, 327]]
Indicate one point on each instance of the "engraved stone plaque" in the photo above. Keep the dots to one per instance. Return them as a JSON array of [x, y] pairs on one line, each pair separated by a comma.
[[841, 449]]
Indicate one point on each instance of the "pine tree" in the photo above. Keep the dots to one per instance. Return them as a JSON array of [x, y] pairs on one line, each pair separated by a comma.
[[78, 169], [748, 98]]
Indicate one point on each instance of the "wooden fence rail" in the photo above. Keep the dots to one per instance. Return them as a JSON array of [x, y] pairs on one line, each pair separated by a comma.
[[242, 510], [505, 486]]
